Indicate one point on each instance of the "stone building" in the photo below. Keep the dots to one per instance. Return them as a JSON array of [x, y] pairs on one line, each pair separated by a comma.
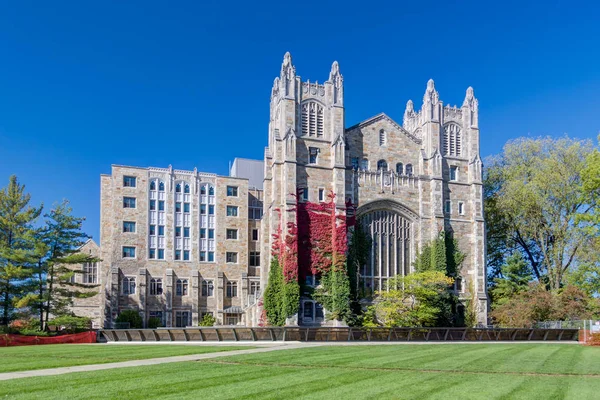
[[178, 244]]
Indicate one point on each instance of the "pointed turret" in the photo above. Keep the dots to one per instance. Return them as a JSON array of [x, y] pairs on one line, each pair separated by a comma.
[[287, 75], [471, 108], [337, 80]]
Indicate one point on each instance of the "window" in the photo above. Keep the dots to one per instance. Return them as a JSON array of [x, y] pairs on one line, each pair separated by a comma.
[[382, 166], [461, 208], [231, 257], [304, 194], [186, 189], [161, 205], [255, 258], [182, 319], [161, 230], [90, 272], [177, 254], [459, 284], [452, 140], [129, 226], [186, 207], [203, 189], [128, 285], [232, 234], [177, 206], [152, 253], [382, 138], [152, 230], [211, 209], [177, 231], [128, 252], [202, 233], [156, 287], [161, 187], [409, 169], [364, 164], [448, 207], [211, 233], [312, 119], [354, 162], [153, 185], [156, 314], [202, 256], [453, 173], [254, 288], [231, 289], [207, 288], [254, 212], [399, 168], [211, 256], [181, 287], [129, 181], [128, 202], [161, 254], [203, 209], [313, 155], [152, 205], [255, 234], [232, 191], [186, 255], [232, 211], [321, 194], [186, 232], [178, 188]]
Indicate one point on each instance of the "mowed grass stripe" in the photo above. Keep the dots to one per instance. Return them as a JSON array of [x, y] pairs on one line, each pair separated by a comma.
[[524, 358], [26, 358], [188, 380]]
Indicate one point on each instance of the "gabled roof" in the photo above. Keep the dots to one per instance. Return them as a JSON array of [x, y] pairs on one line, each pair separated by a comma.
[[383, 116]]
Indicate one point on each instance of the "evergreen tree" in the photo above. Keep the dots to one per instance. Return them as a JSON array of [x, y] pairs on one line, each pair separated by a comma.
[[273, 297], [514, 278], [16, 244]]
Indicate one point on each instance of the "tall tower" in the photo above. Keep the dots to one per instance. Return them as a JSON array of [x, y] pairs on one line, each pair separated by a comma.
[[306, 151]]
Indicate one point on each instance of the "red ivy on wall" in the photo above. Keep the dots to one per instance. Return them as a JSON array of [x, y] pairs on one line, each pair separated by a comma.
[[316, 243]]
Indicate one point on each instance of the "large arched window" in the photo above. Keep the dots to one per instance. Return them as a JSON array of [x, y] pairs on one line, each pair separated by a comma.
[[452, 140], [399, 168], [312, 119], [382, 165]]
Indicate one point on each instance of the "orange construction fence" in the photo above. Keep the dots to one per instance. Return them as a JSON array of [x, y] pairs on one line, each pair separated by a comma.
[[21, 340]]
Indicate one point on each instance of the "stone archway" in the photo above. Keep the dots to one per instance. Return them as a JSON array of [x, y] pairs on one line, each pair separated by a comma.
[[390, 226]]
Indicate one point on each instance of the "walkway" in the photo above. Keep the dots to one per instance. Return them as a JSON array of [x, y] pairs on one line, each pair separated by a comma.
[[150, 361]]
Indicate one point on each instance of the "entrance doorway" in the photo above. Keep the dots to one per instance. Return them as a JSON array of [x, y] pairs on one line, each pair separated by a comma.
[[311, 313]]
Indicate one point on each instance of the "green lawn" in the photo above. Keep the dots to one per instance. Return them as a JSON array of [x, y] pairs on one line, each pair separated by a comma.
[[477, 371], [23, 358]]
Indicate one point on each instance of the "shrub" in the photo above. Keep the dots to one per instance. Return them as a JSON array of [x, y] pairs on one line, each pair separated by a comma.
[[33, 332], [71, 323], [154, 322], [207, 320], [132, 317]]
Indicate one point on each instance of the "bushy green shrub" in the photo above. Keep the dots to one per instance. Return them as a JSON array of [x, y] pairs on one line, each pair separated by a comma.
[[207, 320], [132, 317], [71, 323], [154, 322], [33, 332]]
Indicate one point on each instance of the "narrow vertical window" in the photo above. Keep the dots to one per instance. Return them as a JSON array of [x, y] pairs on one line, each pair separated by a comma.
[[321, 194]]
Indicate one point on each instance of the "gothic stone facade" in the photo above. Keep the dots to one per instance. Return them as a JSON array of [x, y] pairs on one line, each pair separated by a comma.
[[409, 181], [167, 244]]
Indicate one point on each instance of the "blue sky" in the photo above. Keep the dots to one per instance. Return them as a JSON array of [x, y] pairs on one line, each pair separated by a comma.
[[84, 86]]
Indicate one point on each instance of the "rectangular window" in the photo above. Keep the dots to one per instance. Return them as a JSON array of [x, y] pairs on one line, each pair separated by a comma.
[[128, 285], [156, 288], [186, 255], [177, 231], [202, 233], [161, 205], [232, 234], [182, 319], [203, 256], [128, 202], [202, 209], [232, 211], [453, 173], [255, 234], [207, 288], [231, 257], [304, 194], [448, 207], [129, 226], [129, 181], [255, 259], [178, 206], [128, 252], [254, 213], [461, 208], [186, 207], [231, 289], [186, 232], [161, 254], [211, 209], [161, 230], [152, 230], [211, 256], [152, 205], [152, 254], [364, 164], [321, 194], [354, 162], [313, 154], [90, 272], [211, 233], [177, 254], [232, 191]]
